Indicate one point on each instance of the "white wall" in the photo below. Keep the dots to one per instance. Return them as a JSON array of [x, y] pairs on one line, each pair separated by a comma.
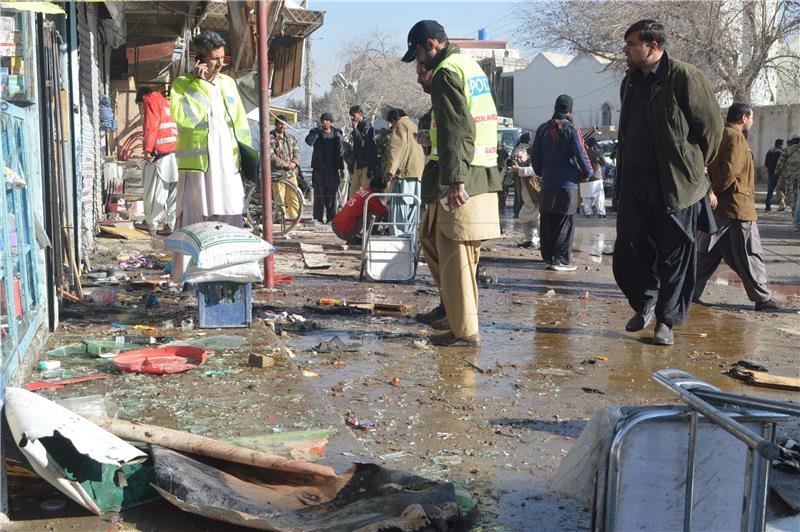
[[584, 78], [772, 122]]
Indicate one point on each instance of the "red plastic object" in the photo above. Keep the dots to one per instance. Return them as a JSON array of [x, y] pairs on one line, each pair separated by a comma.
[[284, 279], [161, 361], [38, 385]]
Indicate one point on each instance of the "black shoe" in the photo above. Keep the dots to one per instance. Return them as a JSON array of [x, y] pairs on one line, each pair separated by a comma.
[[768, 209], [767, 306], [663, 335], [432, 315], [640, 320]]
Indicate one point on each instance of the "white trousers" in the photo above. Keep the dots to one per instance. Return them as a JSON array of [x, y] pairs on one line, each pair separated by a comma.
[[592, 193], [160, 183]]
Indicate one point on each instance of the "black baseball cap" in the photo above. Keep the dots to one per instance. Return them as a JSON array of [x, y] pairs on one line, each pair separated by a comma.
[[421, 32], [326, 116]]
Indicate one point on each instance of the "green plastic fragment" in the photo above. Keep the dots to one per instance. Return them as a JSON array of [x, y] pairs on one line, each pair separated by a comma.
[[68, 350]]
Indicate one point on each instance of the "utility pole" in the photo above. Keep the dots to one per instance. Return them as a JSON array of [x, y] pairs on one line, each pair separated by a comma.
[[309, 97]]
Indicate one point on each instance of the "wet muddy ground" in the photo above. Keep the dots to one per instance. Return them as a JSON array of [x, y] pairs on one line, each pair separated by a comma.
[[497, 419]]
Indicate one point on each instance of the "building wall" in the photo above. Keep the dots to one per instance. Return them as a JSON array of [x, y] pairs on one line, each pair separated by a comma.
[[584, 78], [772, 122]]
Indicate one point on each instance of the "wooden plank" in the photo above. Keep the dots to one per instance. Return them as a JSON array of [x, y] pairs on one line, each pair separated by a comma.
[[127, 234], [762, 378], [314, 257]]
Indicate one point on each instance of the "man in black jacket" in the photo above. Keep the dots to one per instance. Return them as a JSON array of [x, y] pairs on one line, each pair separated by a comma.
[[327, 165], [670, 129], [771, 162], [365, 152]]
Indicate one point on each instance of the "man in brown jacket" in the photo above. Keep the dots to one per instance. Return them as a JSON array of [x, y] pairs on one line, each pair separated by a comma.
[[733, 198], [405, 161]]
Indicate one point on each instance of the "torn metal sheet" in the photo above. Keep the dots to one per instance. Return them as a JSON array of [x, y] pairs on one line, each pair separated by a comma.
[[74, 455], [367, 497]]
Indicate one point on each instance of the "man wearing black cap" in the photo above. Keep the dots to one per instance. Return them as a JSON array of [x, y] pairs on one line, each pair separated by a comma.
[[461, 180], [560, 158], [327, 166], [670, 128]]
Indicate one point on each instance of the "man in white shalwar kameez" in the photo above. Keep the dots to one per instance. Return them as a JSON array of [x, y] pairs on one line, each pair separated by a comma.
[[216, 194]]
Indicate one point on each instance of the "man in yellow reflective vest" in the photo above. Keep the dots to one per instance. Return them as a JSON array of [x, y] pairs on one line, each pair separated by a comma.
[[208, 111], [460, 183]]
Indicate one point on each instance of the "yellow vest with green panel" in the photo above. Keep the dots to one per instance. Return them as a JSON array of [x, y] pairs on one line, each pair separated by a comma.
[[189, 103], [481, 107]]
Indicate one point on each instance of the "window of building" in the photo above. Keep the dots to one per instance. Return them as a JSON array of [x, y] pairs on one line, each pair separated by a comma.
[[606, 118]]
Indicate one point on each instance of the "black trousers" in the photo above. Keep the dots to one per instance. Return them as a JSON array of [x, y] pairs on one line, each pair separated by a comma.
[[557, 224], [324, 202], [655, 255]]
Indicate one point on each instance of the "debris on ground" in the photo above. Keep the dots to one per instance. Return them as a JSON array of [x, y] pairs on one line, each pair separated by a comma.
[[38, 385], [314, 257], [160, 361], [366, 497], [260, 361], [762, 378], [89, 465], [337, 345]]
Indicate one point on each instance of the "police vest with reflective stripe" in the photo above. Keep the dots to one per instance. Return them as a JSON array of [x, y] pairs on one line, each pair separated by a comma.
[[190, 102], [481, 107]]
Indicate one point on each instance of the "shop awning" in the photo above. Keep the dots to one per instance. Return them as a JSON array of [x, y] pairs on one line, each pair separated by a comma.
[[37, 7]]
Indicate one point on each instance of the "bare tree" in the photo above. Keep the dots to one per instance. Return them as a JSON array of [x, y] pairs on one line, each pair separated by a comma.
[[736, 42], [373, 77]]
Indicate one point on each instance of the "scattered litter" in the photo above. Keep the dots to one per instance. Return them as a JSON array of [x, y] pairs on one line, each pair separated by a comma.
[[47, 365], [107, 348], [53, 505], [296, 444], [164, 360], [600, 358], [396, 381], [100, 296], [393, 456], [138, 261], [691, 334], [224, 372], [367, 497], [260, 361], [38, 385], [220, 342], [187, 324], [762, 378], [67, 350], [555, 372], [195, 444], [550, 293], [420, 344], [476, 367], [750, 365], [91, 405], [355, 423], [314, 257], [168, 325], [592, 390], [336, 345], [124, 233], [92, 467], [308, 373], [585, 296]]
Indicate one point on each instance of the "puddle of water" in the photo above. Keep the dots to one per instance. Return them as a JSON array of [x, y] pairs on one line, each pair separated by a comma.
[[727, 277]]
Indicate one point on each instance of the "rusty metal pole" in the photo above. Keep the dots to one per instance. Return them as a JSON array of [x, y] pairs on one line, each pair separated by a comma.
[[262, 15]]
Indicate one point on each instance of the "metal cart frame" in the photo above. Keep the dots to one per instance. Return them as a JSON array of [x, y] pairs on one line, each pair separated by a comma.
[[408, 242], [762, 449]]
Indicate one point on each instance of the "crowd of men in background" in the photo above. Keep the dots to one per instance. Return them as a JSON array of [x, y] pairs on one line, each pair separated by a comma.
[[685, 188]]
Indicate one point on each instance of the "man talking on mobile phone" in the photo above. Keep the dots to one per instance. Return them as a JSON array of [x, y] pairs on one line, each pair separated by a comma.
[[463, 174], [211, 124]]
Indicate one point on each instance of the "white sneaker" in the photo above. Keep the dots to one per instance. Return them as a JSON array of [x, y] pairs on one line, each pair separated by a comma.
[[564, 267]]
